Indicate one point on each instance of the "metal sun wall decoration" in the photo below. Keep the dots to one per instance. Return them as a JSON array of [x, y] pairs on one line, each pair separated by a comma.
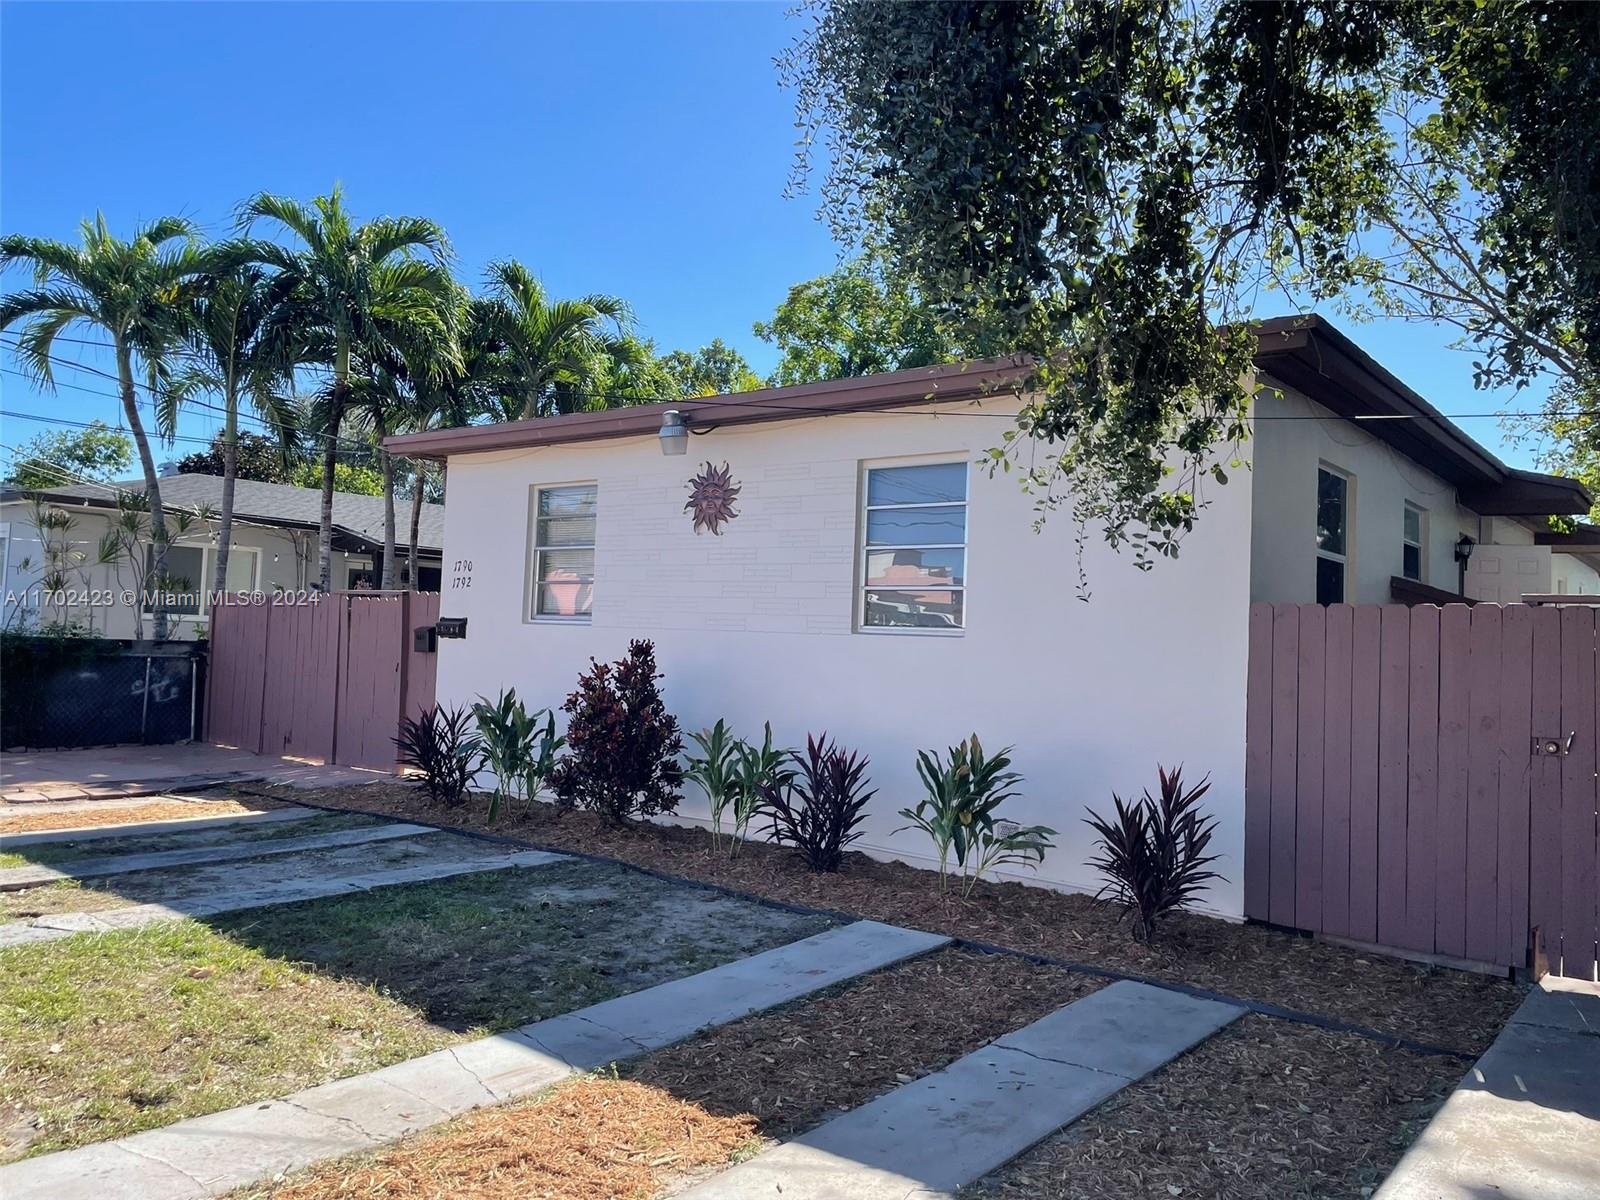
[[711, 496]]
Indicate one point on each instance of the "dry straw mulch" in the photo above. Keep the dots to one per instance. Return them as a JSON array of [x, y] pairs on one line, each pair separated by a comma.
[[1441, 1007], [17, 819], [594, 1139], [1266, 1110]]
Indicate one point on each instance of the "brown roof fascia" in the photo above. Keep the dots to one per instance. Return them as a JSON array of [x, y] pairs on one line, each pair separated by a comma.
[[944, 384]]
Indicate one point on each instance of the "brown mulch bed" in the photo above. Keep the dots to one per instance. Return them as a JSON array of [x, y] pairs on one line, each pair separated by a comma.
[[798, 1066], [1436, 1006], [19, 820], [594, 1139], [1266, 1110]]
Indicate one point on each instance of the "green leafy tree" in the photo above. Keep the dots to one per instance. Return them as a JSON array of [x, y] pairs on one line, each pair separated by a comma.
[[1107, 190], [257, 457], [714, 370], [137, 293], [345, 289], [351, 478], [236, 355], [857, 320], [62, 457], [552, 354]]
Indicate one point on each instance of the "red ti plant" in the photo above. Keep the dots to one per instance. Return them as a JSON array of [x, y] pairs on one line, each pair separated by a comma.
[[818, 808]]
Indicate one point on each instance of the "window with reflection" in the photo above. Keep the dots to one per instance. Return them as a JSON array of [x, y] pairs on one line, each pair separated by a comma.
[[563, 553], [914, 548]]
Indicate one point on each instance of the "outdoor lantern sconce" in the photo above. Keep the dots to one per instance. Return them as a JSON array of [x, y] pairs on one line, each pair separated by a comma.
[[674, 433], [1464, 545]]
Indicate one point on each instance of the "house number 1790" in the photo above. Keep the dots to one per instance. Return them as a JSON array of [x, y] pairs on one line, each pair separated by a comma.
[[461, 574]]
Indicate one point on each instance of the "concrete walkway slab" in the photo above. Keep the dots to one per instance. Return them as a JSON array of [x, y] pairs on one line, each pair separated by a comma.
[[205, 1156], [111, 772], [929, 1137], [60, 925], [87, 833], [13, 879], [1525, 1122]]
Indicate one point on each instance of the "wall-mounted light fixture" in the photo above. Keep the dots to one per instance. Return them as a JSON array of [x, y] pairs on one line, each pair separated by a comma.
[[1464, 545], [674, 433]]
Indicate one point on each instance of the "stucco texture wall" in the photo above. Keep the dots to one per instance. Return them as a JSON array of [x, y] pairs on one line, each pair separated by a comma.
[[1293, 436], [758, 623]]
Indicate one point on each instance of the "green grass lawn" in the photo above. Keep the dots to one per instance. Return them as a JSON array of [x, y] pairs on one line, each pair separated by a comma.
[[104, 1035]]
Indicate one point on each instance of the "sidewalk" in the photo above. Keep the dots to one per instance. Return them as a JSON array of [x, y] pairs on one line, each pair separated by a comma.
[[1525, 1122], [116, 772]]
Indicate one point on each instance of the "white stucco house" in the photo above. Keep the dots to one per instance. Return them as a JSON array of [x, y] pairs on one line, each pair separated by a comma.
[[274, 548], [879, 585]]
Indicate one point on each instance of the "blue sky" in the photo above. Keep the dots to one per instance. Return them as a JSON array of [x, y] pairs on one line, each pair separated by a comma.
[[637, 149]]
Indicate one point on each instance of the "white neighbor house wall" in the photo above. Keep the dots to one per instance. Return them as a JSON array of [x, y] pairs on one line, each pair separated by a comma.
[[1286, 454], [758, 623]]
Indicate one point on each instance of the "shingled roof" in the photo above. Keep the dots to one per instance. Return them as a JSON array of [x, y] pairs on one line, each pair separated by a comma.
[[358, 517]]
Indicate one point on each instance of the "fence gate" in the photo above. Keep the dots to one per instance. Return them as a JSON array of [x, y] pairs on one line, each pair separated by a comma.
[[1425, 778], [327, 680]]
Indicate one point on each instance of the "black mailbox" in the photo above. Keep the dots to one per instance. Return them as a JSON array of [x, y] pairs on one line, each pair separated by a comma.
[[452, 627], [424, 640]]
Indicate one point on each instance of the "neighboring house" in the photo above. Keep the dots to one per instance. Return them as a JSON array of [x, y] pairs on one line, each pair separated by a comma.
[[879, 584], [274, 546]]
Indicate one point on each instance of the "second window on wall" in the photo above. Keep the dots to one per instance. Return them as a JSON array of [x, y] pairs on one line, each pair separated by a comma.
[[562, 578], [1413, 543], [1333, 535], [914, 548]]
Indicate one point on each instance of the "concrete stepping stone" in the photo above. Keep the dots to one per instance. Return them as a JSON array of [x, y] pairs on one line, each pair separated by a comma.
[[930, 1137], [15, 879], [60, 925], [86, 833], [1525, 1121], [205, 1156]]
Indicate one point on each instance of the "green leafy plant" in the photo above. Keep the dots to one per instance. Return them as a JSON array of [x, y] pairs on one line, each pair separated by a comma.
[[958, 813], [441, 745], [759, 769], [517, 747], [1153, 852], [622, 743], [819, 808], [716, 770]]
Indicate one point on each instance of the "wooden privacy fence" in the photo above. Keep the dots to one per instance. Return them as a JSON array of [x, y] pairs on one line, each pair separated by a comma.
[[1395, 792], [327, 680]]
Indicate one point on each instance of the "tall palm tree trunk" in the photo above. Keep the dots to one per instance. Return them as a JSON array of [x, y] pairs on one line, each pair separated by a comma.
[[152, 491], [416, 520], [330, 460], [230, 474], [386, 462]]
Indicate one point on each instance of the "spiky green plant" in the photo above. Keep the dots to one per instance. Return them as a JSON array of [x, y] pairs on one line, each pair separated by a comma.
[[716, 770], [519, 747], [964, 791], [759, 768]]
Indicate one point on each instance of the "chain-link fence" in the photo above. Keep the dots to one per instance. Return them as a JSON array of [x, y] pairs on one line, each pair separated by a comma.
[[58, 693]]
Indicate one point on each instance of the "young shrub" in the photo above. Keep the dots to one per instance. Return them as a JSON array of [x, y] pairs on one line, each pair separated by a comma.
[[759, 769], [958, 813], [819, 807], [1154, 851], [716, 770], [515, 747], [440, 745], [622, 743]]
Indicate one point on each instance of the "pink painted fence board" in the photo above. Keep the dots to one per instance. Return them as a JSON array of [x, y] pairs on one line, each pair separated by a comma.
[[325, 681], [1393, 795]]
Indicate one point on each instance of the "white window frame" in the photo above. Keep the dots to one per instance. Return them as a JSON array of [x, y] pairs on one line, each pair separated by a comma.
[[863, 549], [530, 591], [208, 573], [1421, 543], [1346, 559]]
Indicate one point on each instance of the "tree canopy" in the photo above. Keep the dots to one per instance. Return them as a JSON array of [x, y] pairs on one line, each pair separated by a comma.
[[61, 457], [1110, 188]]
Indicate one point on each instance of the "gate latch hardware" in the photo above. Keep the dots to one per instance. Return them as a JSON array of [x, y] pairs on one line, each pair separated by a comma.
[[1554, 747]]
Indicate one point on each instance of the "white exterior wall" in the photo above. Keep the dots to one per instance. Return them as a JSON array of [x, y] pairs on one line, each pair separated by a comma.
[[276, 567], [1286, 454], [1571, 576], [758, 623]]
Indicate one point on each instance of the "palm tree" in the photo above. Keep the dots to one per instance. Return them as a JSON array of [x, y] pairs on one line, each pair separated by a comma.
[[230, 333], [138, 293], [349, 289], [544, 343]]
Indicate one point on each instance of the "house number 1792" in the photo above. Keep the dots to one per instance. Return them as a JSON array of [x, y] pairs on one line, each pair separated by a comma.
[[461, 574]]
